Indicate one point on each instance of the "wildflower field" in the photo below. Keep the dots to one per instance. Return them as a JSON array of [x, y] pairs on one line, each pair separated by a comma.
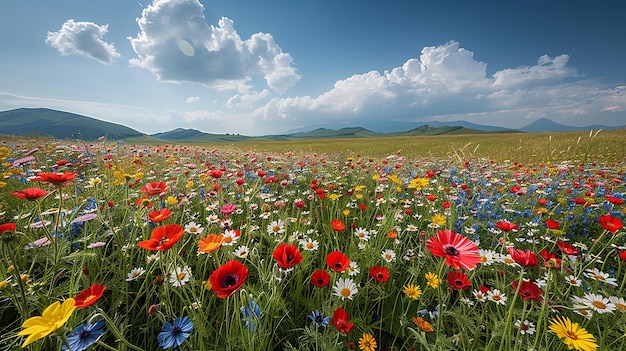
[[510, 242]]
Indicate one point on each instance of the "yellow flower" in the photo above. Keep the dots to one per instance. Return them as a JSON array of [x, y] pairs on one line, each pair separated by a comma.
[[52, 318], [3, 184], [367, 342], [3, 284], [189, 184], [433, 280], [171, 200], [412, 291], [439, 219], [394, 178], [423, 324], [334, 196], [418, 183], [346, 212], [573, 335]]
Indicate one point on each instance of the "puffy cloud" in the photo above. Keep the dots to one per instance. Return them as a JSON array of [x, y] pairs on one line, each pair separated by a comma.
[[84, 39], [192, 99], [447, 82], [177, 45], [246, 101]]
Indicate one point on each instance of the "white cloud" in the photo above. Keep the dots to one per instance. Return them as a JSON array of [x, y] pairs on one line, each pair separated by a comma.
[[83, 39], [192, 99], [246, 101], [177, 45], [446, 80]]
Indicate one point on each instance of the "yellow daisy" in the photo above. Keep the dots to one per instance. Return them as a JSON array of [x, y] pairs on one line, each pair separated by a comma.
[[572, 334]]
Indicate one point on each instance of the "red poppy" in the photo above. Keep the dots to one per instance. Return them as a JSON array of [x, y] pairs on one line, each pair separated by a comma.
[[380, 274], [30, 193], [614, 200], [89, 296], [321, 193], [337, 261], [610, 223], [158, 216], [550, 260], [155, 188], [227, 279], [338, 225], [459, 251], [622, 255], [55, 178], [552, 224], [568, 249], [7, 227], [287, 256], [458, 280], [524, 258], [528, 290], [341, 321], [163, 238], [320, 278], [506, 226]]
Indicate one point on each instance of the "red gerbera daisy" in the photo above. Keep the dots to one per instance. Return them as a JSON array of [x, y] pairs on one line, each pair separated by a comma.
[[163, 238], [227, 279], [341, 321], [30, 193], [380, 274], [320, 278], [459, 251], [525, 258], [89, 296], [287, 256], [338, 225], [610, 223], [337, 261], [56, 178], [458, 280]]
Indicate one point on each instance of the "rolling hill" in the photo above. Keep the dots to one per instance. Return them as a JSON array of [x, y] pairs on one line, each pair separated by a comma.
[[61, 125]]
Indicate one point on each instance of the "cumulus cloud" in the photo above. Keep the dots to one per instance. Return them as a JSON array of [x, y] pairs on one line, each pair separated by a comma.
[[83, 39], [446, 80], [246, 101], [177, 45]]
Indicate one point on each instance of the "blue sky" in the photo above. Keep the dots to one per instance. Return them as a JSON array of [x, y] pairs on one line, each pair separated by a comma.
[[267, 67]]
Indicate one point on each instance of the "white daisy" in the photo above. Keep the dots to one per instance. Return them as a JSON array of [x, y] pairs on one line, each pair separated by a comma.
[[276, 227], [525, 327], [193, 228], [309, 244], [353, 269], [180, 276], [598, 275], [242, 251], [598, 303], [362, 234], [345, 288], [389, 255], [230, 237], [135, 273], [496, 296]]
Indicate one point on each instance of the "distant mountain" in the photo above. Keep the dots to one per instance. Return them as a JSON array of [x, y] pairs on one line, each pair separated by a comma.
[[193, 135], [61, 125], [546, 125]]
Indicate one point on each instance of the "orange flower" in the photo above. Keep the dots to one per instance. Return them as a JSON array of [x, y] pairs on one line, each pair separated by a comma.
[[423, 324], [211, 243], [163, 238]]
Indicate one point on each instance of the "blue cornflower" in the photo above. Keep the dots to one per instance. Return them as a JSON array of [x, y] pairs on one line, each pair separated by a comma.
[[318, 317], [251, 317], [84, 336], [174, 333]]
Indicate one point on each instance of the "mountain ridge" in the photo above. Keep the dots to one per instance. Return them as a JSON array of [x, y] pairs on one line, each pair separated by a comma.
[[61, 124]]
